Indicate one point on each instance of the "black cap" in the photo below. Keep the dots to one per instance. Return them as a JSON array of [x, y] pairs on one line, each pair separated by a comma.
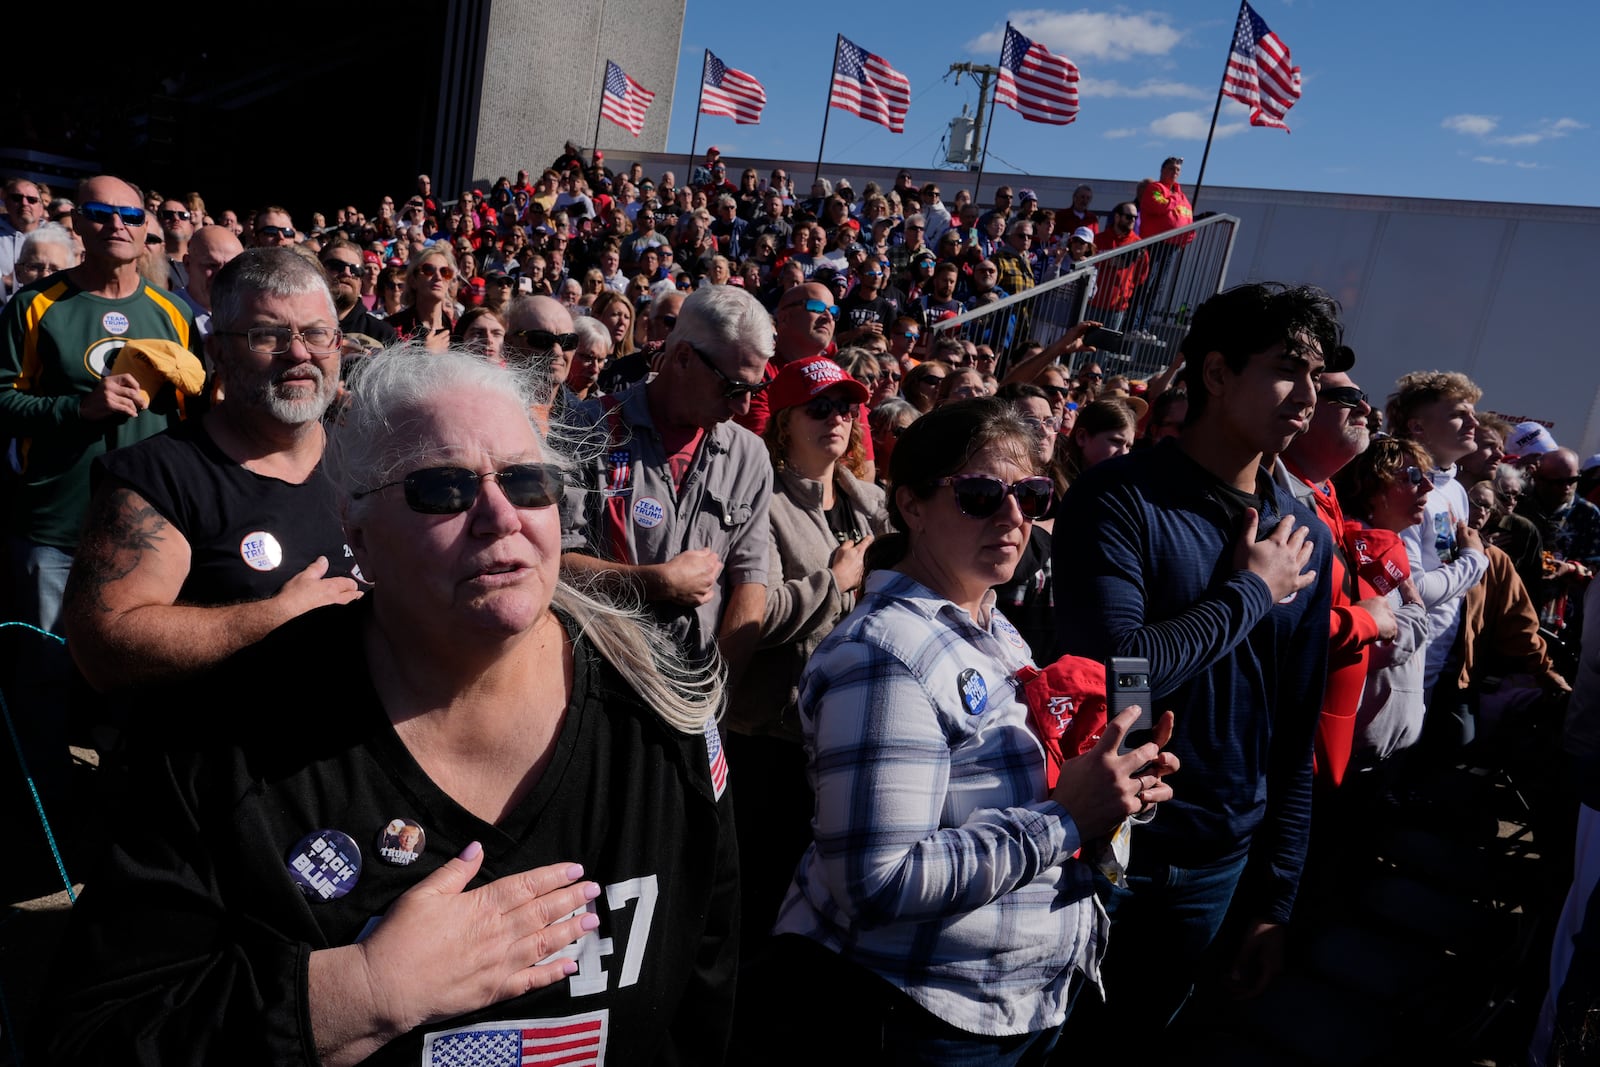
[[1343, 359]]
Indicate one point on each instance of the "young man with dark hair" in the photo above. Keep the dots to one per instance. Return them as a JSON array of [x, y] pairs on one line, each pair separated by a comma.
[[1188, 554]]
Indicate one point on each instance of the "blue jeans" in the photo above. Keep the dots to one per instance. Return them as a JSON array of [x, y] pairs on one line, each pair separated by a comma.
[[1161, 927], [38, 582]]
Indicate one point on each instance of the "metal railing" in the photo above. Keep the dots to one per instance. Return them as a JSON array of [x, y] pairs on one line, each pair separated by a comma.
[[1144, 290]]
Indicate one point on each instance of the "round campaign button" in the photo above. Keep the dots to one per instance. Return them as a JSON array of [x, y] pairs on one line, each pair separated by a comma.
[[325, 864], [261, 551], [401, 842]]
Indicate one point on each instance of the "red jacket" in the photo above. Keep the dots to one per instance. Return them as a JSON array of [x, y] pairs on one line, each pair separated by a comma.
[[1162, 209], [1114, 284]]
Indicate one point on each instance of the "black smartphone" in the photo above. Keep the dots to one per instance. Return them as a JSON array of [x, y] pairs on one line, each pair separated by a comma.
[[1102, 338], [1128, 684]]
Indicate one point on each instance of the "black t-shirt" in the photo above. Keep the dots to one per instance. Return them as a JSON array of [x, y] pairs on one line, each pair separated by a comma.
[[248, 534], [191, 947], [856, 311], [360, 320]]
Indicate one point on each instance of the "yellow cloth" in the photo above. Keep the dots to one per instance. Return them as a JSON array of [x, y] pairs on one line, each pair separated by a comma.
[[155, 363]]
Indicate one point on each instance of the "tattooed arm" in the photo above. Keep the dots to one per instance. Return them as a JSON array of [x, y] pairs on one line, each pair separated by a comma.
[[123, 623]]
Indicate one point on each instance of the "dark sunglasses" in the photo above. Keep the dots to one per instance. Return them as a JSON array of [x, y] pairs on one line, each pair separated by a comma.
[[102, 214], [823, 408], [1413, 475], [168, 215], [545, 341], [979, 496], [452, 490], [1058, 391], [733, 389], [1560, 481], [1345, 396], [339, 266], [277, 231], [22, 198], [152, 239]]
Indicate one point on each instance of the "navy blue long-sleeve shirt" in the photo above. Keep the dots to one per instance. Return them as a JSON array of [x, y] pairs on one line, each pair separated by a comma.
[[1144, 566]]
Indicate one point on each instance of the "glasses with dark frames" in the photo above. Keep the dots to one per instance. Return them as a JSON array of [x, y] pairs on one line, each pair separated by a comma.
[[452, 490], [733, 389], [980, 496]]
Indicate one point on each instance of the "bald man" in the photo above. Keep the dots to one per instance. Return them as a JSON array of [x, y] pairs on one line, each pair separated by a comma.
[[58, 399], [209, 251]]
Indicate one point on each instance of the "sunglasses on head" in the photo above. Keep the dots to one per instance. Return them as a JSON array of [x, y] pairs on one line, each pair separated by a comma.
[[102, 214], [979, 496], [732, 389], [822, 408], [1345, 396], [546, 341], [452, 490]]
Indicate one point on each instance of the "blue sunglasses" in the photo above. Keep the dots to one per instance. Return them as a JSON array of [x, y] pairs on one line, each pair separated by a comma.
[[816, 306]]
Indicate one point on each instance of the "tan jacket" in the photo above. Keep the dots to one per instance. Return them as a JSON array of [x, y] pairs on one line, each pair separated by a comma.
[[804, 603], [1500, 626]]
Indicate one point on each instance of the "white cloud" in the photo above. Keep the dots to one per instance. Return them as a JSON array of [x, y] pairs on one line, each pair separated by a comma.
[[1473, 125], [1525, 165], [1131, 131], [1088, 34], [1544, 130], [1492, 160], [1096, 87], [1192, 126]]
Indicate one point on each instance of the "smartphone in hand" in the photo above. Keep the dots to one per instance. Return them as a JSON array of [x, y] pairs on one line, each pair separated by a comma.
[[1127, 685]]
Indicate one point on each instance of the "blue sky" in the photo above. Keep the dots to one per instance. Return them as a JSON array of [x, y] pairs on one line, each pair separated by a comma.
[[1463, 100]]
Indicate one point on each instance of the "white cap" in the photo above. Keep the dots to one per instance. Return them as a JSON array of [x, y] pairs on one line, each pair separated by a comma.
[[1083, 233], [1531, 439]]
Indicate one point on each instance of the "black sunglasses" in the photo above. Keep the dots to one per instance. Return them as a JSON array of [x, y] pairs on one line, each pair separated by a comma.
[[276, 231], [733, 389], [168, 215], [339, 266], [979, 496], [102, 214], [1345, 396], [452, 490], [822, 408], [545, 341]]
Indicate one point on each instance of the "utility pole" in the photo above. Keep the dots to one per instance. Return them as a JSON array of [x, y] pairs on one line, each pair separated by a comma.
[[983, 74]]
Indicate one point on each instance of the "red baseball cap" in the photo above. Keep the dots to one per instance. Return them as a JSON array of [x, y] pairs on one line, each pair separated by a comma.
[[371, 257], [805, 379]]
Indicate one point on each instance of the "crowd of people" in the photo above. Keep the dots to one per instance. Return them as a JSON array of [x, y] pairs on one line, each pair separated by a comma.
[[707, 644]]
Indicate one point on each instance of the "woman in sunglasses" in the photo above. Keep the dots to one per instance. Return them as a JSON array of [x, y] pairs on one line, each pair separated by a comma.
[[823, 517], [939, 916], [1384, 491], [428, 318], [568, 875]]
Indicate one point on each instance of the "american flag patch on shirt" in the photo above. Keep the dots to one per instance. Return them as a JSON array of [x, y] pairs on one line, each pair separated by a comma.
[[575, 1041]]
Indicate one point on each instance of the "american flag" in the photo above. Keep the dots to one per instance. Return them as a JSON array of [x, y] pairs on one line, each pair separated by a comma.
[[1037, 85], [725, 91], [1259, 75], [575, 1041], [624, 100], [865, 85], [718, 759]]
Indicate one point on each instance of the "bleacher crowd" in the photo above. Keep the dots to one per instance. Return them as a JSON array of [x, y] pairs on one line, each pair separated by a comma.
[[605, 616]]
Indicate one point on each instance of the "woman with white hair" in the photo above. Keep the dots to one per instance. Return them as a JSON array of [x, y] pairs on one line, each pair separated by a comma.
[[568, 874]]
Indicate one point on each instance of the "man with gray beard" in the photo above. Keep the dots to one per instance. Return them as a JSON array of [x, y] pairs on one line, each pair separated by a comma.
[[206, 538]]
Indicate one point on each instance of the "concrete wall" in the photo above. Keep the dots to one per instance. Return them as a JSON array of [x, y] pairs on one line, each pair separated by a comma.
[[542, 75]]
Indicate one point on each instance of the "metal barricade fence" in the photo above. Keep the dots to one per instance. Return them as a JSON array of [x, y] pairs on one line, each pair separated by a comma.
[[1145, 290]]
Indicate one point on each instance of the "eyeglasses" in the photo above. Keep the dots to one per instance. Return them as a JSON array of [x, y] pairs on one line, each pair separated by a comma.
[[1413, 475], [1345, 396], [102, 214], [668, 320], [340, 266], [823, 408], [1051, 424], [1574, 480], [442, 270], [817, 307], [275, 340], [452, 490], [1058, 391], [152, 239], [286, 232], [545, 341], [394, 283], [733, 389], [168, 215], [979, 496]]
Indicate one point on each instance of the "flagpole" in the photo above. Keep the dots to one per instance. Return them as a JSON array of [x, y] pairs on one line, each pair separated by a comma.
[[700, 99], [597, 116], [1194, 194], [837, 40], [983, 159]]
